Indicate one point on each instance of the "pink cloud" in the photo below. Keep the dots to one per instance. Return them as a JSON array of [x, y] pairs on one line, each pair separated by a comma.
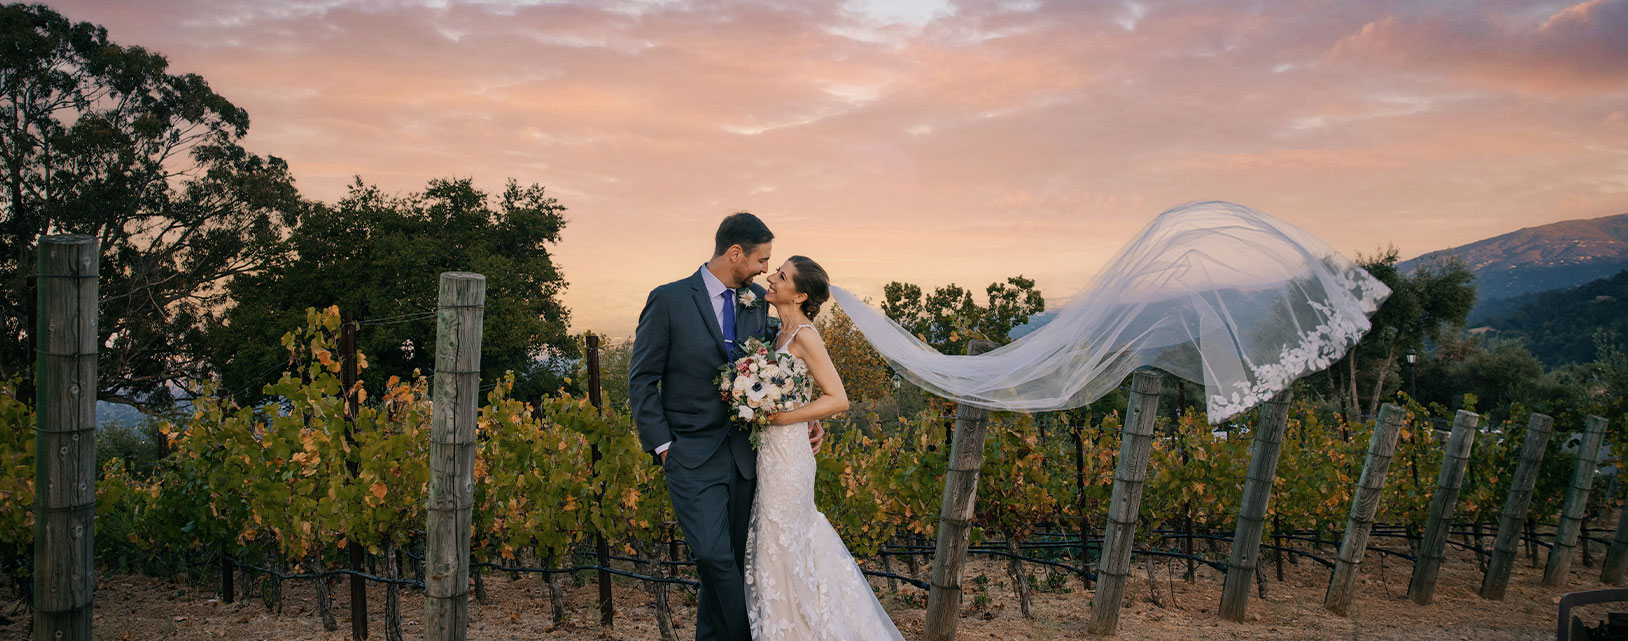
[[963, 146], [1579, 49]]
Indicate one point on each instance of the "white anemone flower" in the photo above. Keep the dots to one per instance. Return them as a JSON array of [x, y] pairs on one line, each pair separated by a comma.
[[756, 393]]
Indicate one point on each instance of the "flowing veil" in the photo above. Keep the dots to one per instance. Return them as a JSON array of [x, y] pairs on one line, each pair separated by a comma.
[[1213, 292]]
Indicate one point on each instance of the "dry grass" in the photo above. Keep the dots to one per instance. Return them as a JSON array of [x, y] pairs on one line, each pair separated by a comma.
[[141, 608]]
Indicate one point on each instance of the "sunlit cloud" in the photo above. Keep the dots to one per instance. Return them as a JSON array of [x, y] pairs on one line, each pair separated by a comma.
[[1580, 48], [929, 141]]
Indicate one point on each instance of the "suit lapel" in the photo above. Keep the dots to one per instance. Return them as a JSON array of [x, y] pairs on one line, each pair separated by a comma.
[[751, 322], [703, 304]]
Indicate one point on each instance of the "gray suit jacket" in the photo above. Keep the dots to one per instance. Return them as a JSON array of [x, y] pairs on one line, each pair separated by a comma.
[[678, 351]]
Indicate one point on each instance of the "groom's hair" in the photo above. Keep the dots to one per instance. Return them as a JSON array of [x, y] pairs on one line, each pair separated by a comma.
[[741, 228]]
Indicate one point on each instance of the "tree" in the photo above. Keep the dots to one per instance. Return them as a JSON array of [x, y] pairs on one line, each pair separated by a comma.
[[1500, 379], [948, 318], [1428, 305], [865, 375], [614, 360], [1499, 373], [1610, 372], [381, 257], [100, 139]]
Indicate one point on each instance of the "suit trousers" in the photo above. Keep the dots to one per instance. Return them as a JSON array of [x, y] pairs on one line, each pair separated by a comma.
[[713, 503]]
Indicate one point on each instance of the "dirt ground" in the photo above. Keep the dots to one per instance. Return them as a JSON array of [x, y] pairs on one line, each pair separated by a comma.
[[141, 608]]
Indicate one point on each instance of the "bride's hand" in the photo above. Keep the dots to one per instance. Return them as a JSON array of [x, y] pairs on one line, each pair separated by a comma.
[[779, 418], [816, 435]]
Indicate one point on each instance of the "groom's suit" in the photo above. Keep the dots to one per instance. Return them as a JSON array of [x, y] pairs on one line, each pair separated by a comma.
[[711, 467]]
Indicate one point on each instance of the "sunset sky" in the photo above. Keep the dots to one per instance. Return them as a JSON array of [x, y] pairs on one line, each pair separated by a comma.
[[928, 141]]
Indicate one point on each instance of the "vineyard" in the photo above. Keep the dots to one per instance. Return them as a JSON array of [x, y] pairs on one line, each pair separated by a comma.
[[279, 492]]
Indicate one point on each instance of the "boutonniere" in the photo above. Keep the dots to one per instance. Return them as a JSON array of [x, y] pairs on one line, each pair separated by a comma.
[[747, 298]]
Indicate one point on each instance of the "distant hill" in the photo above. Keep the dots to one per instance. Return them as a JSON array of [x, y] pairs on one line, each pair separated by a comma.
[[117, 413], [1542, 258], [1036, 321], [1559, 325]]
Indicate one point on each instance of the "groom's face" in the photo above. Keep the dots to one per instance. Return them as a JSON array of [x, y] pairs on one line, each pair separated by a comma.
[[752, 263]]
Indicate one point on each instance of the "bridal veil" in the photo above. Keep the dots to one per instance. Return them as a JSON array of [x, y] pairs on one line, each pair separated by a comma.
[[1212, 292]]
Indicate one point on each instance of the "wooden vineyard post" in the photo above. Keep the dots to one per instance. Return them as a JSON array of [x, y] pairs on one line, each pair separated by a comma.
[[65, 438], [1571, 514], [1616, 558], [452, 455], [1079, 483], [607, 609], [1363, 507], [1507, 544], [1442, 504], [955, 513], [1119, 532], [1246, 538], [349, 371], [228, 584]]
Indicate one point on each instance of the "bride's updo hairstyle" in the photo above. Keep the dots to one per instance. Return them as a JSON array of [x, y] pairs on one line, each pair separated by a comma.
[[810, 279]]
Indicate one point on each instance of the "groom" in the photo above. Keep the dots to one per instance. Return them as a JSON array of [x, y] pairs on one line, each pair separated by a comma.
[[688, 330]]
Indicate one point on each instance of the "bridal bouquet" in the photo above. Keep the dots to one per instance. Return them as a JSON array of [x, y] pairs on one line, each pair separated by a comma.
[[762, 382]]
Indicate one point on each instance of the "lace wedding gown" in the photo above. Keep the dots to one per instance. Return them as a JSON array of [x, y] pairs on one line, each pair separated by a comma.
[[801, 582]]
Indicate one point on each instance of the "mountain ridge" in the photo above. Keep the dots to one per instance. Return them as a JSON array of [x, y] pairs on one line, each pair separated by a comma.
[[1539, 258]]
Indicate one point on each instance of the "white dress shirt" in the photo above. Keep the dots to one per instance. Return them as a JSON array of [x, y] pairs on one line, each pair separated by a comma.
[[715, 293]]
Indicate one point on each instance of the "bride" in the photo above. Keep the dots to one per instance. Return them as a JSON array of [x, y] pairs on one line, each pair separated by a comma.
[[801, 583], [1212, 292]]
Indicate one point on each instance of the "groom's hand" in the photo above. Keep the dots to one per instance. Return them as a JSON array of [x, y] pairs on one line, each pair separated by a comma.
[[816, 434], [663, 457]]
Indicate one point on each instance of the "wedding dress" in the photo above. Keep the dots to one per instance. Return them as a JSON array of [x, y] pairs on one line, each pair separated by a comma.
[[801, 582]]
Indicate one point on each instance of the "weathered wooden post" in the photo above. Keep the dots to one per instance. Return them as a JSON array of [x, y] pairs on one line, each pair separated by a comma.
[[1363, 507], [228, 584], [1246, 538], [1442, 504], [1513, 517], [607, 608], [1119, 532], [1571, 514], [1616, 558], [65, 441], [452, 455], [349, 373], [1079, 484], [955, 514]]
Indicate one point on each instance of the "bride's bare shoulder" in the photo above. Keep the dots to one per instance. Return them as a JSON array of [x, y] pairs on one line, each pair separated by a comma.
[[809, 340]]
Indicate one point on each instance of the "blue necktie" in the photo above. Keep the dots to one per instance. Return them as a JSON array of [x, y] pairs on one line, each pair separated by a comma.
[[729, 323]]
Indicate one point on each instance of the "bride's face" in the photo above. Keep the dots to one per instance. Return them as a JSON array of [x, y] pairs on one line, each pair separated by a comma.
[[782, 289]]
